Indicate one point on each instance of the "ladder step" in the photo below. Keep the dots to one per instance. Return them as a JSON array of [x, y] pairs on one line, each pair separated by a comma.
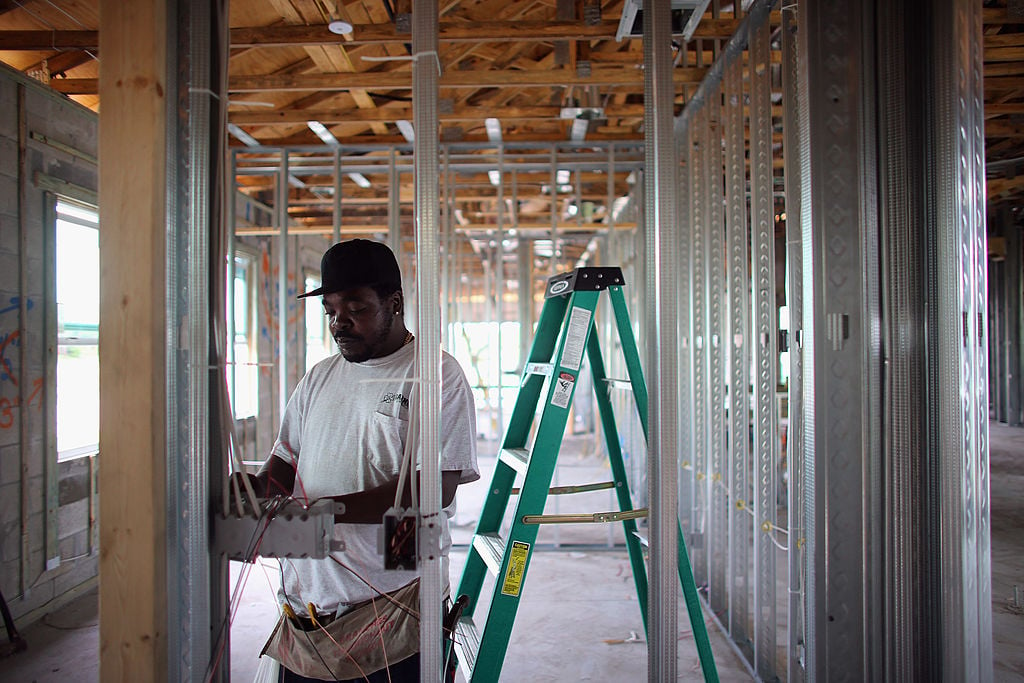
[[581, 518], [542, 369], [516, 458], [467, 645], [578, 488], [491, 548]]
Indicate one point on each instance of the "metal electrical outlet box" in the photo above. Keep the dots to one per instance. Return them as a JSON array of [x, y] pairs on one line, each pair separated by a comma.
[[288, 530]]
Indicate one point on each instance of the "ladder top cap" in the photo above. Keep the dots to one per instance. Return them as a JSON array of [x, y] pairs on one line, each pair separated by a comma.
[[592, 279]]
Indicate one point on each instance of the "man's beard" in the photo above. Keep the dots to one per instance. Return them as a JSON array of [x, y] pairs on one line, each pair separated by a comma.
[[366, 348]]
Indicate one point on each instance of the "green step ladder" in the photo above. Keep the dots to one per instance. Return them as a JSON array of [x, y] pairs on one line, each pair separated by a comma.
[[567, 319]]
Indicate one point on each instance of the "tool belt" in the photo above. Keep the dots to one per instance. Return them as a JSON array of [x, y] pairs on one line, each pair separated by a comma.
[[372, 635]]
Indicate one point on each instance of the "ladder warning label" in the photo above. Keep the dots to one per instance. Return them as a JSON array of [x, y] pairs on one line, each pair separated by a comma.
[[517, 555], [563, 390], [575, 338]]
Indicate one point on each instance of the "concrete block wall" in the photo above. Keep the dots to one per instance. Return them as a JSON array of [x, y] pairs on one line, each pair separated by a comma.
[[49, 554]]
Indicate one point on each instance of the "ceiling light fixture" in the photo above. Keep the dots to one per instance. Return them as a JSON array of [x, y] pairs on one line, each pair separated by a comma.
[[578, 132], [493, 127], [242, 135], [322, 133], [339, 27], [360, 180], [406, 129]]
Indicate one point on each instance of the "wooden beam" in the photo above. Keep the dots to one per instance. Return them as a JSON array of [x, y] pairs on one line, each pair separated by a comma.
[[50, 40], [449, 32], [999, 15], [994, 69], [366, 34], [1003, 129], [133, 375], [454, 79], [454, 32], [1004, 187], [389, 114], [1004, 109], [1004, 54], [1003, 83], [60, 62], [402, 80], [364, 228]]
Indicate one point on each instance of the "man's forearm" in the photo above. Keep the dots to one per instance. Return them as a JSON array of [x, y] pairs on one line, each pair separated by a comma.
[[276, 477], [369, 506]]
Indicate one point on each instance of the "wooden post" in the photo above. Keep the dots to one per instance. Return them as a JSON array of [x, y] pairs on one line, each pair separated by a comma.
[[133, 475]]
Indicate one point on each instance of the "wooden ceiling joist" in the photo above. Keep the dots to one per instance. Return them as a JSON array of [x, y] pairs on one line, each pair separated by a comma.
[[394, 113], [403, 80], [368, 34]]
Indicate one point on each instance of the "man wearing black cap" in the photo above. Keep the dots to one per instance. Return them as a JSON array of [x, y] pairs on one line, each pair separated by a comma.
[[344, 435]]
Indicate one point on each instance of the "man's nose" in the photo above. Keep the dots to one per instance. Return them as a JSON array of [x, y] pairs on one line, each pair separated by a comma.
[[339, 322]]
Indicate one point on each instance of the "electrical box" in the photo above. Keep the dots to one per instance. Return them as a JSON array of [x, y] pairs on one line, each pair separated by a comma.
[[278, 530]]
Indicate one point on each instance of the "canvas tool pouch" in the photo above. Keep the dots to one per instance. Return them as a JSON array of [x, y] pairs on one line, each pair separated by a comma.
[[368, 637]]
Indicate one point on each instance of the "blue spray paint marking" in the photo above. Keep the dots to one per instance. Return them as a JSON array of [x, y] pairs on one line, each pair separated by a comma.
[[16, 303]]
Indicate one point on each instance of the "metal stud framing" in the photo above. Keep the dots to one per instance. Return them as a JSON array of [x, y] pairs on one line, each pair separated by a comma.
[[738, 343], [685, 286], [963, 388], [187, 296], [698, 237], [662, 231], [717, 539], [841, 350], [1010, 306], [842, 285], [793, 137], [762, 227], [283, 300], [428, 349]]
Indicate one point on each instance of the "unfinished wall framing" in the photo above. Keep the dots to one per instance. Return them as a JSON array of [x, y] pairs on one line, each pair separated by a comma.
[[857, 264], [49, 508]]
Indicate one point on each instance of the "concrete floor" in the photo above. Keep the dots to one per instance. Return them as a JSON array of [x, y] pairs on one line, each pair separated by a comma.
[[575, 599]]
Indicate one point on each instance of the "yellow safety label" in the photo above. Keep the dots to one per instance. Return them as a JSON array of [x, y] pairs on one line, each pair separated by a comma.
[[517, 555]]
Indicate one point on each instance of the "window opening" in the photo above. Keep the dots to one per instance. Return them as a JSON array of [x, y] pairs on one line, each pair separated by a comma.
[[318, 338], [78, 324], [244, 375]]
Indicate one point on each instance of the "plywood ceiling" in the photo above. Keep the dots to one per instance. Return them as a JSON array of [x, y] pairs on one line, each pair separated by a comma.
[[521, 62]]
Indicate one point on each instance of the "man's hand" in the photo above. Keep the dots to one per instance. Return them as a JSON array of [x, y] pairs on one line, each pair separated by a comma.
[[276, 478]]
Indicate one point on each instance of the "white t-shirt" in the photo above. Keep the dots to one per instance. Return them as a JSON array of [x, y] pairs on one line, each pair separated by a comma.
[[345, 426]]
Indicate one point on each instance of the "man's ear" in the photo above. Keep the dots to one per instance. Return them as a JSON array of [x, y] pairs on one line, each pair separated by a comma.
[[399, 302]]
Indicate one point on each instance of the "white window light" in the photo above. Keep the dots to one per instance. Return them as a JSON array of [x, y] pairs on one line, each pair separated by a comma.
[[322, 132], [493, 127], [406, 129], [495, 177], [360, 180]]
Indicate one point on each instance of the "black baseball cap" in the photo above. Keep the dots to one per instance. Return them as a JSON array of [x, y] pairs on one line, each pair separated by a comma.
[[357, 263]]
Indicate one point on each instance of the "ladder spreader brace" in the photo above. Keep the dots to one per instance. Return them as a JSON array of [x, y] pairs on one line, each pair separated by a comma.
[[565, 331]]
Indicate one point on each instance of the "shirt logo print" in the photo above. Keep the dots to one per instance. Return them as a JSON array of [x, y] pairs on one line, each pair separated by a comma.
[[392, 397]]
